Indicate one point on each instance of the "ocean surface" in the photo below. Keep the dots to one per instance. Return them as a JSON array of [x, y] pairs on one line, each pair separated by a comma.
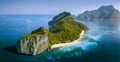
[[100, 44]]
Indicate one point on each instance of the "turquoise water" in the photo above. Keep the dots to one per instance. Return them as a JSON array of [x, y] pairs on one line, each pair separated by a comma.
[[100, 43]]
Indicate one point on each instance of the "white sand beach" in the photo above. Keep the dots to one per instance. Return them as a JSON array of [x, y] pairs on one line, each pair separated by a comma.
[[68, 44]]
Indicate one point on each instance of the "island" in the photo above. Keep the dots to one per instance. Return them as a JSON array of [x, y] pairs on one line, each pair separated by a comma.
[[64, 30]]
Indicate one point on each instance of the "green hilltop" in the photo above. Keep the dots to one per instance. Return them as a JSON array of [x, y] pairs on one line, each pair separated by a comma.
[[63, 29]]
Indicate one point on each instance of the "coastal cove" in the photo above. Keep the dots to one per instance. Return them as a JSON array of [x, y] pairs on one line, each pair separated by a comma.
[[69, 44]]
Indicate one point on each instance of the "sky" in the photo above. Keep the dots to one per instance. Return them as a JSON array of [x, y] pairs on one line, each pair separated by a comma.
[[52, 6]]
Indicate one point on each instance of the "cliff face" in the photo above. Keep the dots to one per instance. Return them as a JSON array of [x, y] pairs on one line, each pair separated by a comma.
[[104, 13], [33, 44]]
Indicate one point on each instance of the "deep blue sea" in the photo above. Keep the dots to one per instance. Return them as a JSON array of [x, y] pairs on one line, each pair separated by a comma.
[[100, 44]]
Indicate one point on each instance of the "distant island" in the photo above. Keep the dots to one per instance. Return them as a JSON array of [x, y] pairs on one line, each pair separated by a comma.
[[104, 13], [63, 30]]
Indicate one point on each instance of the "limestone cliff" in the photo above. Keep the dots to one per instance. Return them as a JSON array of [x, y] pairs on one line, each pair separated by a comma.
[[32, 44]]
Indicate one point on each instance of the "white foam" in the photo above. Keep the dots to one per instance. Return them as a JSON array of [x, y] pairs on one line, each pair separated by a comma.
[[94, 37]]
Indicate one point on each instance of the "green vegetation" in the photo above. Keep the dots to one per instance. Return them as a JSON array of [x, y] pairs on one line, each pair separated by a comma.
[[58, 17], [32, 37], [35, 33], [40, 30], [63, 28]]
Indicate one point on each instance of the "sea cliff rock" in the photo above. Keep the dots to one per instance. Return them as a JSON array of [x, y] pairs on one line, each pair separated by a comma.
[[32, 44]]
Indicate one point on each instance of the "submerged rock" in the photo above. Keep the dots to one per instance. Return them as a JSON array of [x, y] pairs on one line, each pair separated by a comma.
[[32, 44]]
